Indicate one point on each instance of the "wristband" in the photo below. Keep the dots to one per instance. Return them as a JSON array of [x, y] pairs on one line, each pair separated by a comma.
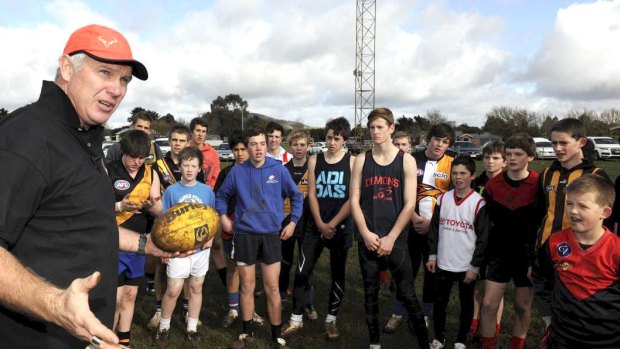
[[141, 245]]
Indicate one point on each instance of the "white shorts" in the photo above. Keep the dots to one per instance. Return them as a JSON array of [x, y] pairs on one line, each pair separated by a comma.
[[194, 265]]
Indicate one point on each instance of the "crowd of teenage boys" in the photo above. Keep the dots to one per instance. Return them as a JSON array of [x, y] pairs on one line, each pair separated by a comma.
[[550, 233]]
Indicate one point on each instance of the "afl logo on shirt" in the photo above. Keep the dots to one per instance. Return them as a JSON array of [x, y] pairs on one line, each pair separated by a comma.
[[121, 184], [420, 172], [564, 249], [550, 188]]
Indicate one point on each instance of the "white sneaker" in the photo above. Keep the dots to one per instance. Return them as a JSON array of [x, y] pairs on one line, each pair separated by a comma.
[[459, 346], [375, 346], [435, 344], [230, 318], [259, 320], [154, 321]]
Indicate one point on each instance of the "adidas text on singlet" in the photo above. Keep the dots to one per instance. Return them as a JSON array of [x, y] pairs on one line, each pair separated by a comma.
[[332, 187]]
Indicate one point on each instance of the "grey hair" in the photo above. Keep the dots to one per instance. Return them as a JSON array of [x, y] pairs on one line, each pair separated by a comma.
[[77, 60]]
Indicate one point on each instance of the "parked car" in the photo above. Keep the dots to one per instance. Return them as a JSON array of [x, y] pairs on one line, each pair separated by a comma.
[[605, 148], [224, 152], [467, 149], [163, 144], [420, 146], [318, 147], [544, 149]]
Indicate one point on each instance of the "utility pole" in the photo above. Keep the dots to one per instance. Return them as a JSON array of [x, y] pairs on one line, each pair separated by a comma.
[[364, 61]]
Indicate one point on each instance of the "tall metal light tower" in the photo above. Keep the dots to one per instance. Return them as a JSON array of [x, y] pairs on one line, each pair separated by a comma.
[[364, 60]]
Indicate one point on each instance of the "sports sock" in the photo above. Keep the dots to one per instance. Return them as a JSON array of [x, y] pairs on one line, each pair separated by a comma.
[[296, 319], [275, 332], [164, 324], [517, 343], [192, 324], [498, 329], [233, 301], [310, 296], [185, 305], [488, 343], [124, 338], [383, 277], [247, 327], [474, 326], [158, 306], [330, 318], [222, 274]]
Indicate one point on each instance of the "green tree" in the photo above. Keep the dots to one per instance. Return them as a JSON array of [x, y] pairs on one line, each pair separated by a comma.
[[136, 110], [226, 115], [3, 113], [465, 128]]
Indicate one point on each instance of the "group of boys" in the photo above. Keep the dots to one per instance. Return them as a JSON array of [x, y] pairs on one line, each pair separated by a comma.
[[427, 209]]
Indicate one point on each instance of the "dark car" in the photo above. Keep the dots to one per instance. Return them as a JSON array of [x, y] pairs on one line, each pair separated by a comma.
[[467, 149]]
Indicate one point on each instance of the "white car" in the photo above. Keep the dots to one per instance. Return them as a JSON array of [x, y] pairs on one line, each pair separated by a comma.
[[163, 145], [318, 147], [544, 149], [605, 148]]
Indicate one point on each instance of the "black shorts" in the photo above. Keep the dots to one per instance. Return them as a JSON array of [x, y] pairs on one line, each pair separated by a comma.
[[227, 245], [339, 241], [503, 270], [248, 249], [124, 280]]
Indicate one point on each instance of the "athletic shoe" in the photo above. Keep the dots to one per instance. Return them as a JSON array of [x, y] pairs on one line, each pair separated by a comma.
[[150, 287], [291, 328], [459, 346], [280, 343], [194, 339], [230, 318], [243, 341], [257, 319], [435, 344], [162, 338], [311, 313], [331, 331], [154, 321], [393, 324]]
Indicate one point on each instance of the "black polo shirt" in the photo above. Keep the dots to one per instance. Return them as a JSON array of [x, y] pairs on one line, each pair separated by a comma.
[[56, 211]]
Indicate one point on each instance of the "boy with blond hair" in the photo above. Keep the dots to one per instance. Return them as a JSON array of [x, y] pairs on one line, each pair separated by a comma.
[[581, 269]]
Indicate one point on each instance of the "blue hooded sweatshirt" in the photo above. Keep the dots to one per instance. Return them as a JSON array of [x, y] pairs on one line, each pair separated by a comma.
[[260, 196]]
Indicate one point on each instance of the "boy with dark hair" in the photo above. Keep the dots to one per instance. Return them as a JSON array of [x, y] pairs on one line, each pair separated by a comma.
[[511, 205], [211, 161], [240, 155], [275, 134], [432, 181], [259, 186], [136, 187], [457, 238], [581, 269], [382, 199], [141, 121], [494, 161], [569, 141], [329, 227], [194, 267]]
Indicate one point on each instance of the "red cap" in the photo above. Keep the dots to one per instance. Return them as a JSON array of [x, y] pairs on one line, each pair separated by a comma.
[[105, 45]]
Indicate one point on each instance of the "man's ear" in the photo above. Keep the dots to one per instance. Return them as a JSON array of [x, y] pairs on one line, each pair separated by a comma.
[[66, 67]]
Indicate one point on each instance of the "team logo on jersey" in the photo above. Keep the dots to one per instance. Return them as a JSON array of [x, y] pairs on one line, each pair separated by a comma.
[[168, 179], [271, 179], [384, 193], [427, 190], [420, 172], [564, 249], [550, 188], [303, 181], [564, 265], [121, 184], [440, 175]]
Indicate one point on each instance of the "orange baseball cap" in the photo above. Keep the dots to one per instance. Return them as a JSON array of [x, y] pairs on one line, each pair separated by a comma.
[[105, 45]]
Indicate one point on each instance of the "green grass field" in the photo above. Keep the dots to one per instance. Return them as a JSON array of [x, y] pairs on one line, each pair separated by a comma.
[[351, 320]]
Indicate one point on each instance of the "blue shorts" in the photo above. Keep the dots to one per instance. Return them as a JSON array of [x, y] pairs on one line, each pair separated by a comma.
[[130, 268]]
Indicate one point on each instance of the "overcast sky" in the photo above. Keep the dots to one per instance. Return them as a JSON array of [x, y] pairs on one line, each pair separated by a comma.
[[294, 59]]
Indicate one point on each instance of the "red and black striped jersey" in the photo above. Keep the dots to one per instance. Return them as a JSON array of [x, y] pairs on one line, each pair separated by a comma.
[[582, 284]]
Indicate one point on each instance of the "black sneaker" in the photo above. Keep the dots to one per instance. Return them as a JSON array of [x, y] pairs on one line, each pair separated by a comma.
[[194, 339], [162, 338], [242, 342]]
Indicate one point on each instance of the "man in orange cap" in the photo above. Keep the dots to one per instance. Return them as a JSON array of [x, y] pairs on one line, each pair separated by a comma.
[[57, 227]]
